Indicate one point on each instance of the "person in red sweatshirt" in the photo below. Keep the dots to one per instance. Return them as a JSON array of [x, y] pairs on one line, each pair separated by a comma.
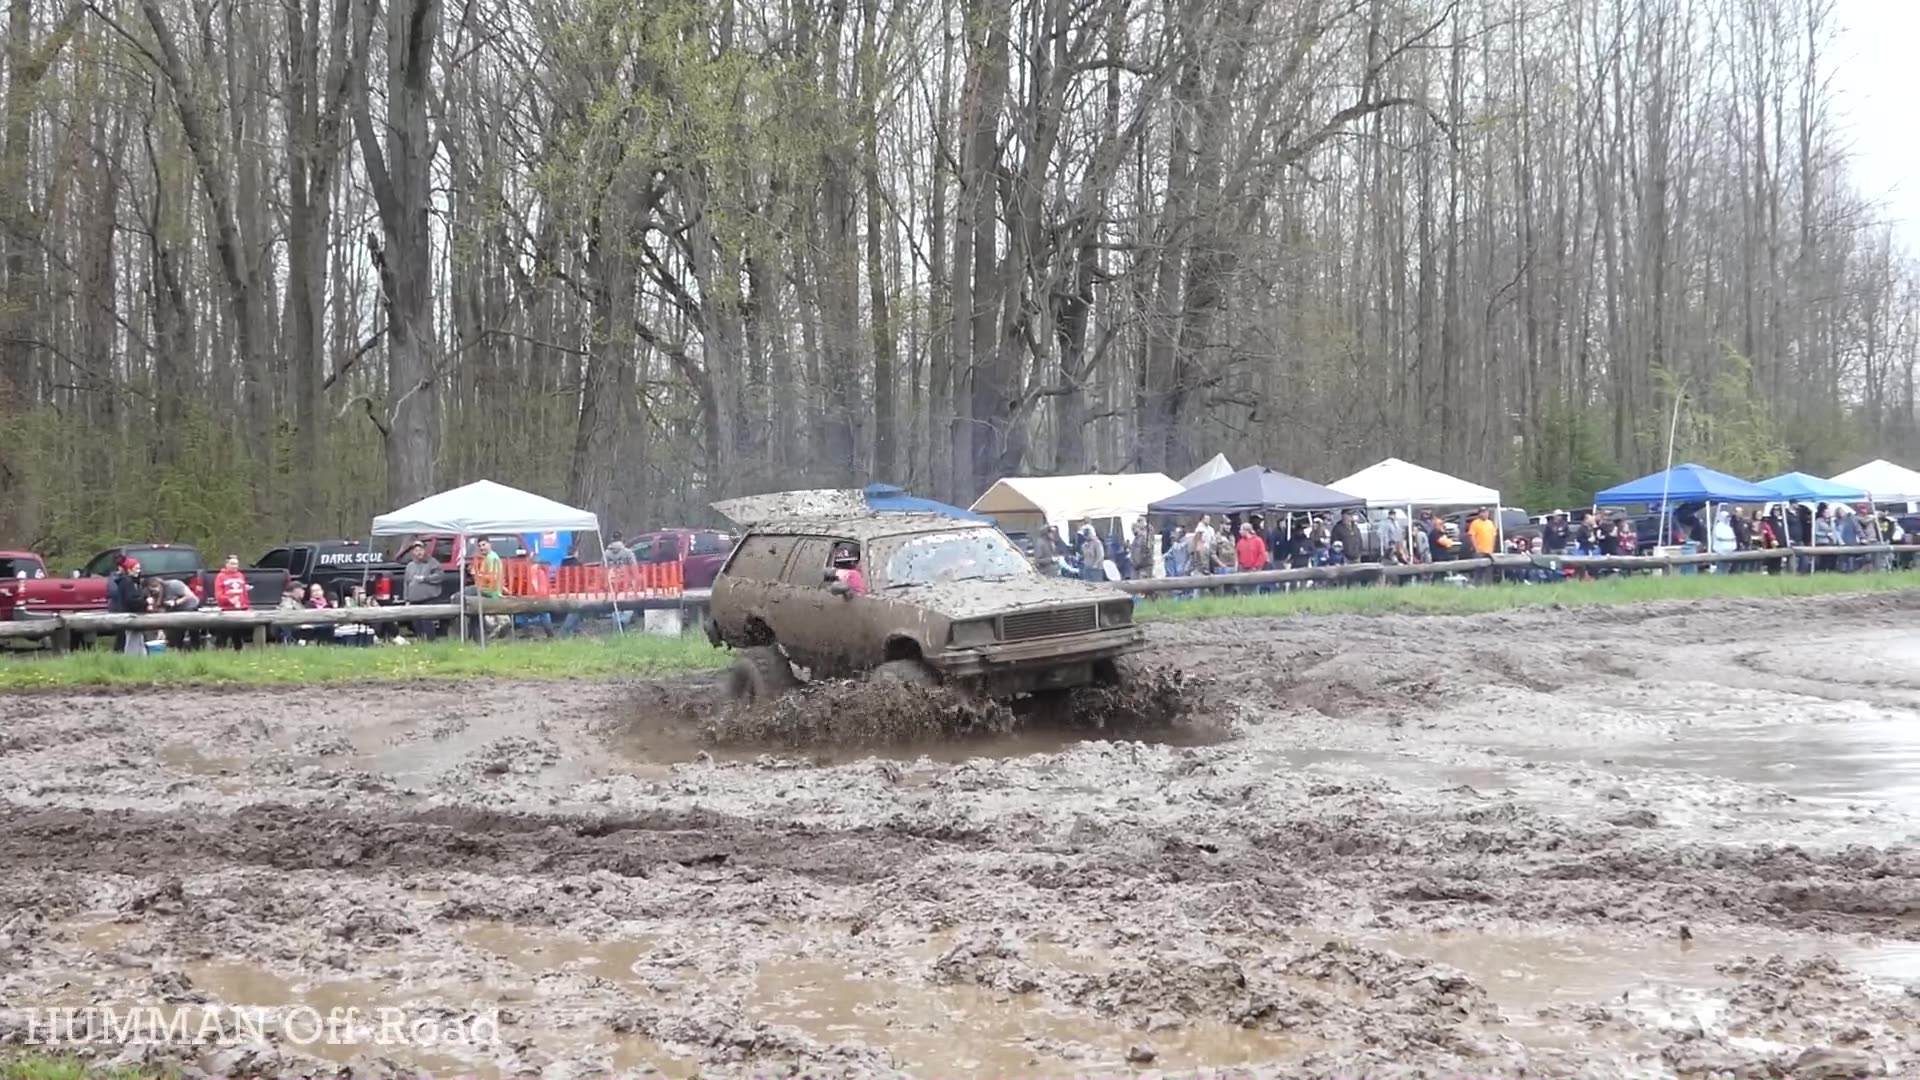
[[1250, 550], [230, 594]]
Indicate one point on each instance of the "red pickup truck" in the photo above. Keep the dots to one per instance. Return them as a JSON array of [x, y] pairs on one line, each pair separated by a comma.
[[26, 589], [39, 594], [703, 551]]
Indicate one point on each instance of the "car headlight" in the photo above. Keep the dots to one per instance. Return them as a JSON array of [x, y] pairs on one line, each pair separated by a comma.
[[1116, 613], [971, 634]]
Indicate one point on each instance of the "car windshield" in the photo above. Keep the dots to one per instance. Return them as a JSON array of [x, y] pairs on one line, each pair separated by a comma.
[[954, 556]]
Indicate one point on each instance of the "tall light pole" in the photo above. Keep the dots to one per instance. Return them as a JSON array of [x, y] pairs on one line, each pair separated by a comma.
[[1666, 478]]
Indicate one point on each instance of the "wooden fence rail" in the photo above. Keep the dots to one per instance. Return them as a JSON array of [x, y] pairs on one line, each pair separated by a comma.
[[61, 630], [1468, 566]]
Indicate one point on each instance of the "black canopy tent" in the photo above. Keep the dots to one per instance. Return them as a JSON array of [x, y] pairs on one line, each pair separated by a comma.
[[1255, 489]]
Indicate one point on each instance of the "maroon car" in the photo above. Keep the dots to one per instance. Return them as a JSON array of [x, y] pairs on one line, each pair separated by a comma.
[[702, 550]]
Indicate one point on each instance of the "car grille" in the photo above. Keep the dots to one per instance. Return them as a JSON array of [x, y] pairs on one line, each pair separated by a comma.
[[1046, 622]]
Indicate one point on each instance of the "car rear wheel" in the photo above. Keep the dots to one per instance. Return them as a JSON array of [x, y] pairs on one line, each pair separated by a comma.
[[760, 673], [905, 673]]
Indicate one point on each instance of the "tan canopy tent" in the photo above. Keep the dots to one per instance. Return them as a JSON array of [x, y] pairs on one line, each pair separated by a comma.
[[1034, 502]]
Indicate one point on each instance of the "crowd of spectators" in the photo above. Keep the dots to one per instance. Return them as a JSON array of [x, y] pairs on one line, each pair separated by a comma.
[[1236, 543]]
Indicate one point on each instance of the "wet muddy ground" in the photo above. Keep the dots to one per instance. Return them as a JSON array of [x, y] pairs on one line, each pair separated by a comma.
[[1659, 841]]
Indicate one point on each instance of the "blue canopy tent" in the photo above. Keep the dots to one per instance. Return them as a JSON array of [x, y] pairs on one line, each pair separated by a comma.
[[1255, 488], [1685, 483], [1799, 487], [887, 497]]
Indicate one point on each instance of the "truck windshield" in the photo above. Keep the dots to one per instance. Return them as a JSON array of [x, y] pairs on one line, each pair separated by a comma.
[[955, 556], [166, 560]]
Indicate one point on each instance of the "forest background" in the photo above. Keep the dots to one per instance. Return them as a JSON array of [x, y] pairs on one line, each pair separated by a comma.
[[271, 268]]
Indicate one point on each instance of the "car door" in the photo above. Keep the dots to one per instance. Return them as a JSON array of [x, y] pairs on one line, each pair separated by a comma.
[[795, 605]]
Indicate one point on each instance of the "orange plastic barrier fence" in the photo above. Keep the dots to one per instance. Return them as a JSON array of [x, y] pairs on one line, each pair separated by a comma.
[[524, 577]]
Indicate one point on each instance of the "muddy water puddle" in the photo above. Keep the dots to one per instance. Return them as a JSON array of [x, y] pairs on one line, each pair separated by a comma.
[[1523, 971], [1838, 763], [962, 1030], [1865, 770], [539, 952]]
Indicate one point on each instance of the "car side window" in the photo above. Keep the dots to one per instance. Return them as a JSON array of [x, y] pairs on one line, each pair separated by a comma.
[[102, 565], [277, 559], [761, 558], [808, 567], [662, 549]]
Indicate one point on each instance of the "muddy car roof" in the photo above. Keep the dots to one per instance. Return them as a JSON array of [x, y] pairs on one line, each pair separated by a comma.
[[864, 527]]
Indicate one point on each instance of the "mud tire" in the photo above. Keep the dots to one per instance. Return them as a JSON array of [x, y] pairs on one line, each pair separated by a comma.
[[1119, 671], [905, 673], [758, 674]]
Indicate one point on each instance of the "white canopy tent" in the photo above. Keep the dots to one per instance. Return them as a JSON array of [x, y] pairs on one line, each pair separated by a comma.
[[1394, 483], [1883, 481], [483, 508], [1215, 468]]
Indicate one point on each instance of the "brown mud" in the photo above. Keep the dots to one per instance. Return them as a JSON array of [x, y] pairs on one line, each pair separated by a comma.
[[1677, 840]]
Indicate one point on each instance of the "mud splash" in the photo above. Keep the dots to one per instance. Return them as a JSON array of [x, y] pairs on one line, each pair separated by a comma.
[[840, 717], [842, 712]]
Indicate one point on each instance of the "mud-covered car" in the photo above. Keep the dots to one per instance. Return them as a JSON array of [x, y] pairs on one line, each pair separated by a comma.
[[919, 599]]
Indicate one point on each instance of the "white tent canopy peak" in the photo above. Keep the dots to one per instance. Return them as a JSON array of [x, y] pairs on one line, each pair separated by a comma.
[[1215, 468], [1394, 482], [1883, 481], [484, 507]]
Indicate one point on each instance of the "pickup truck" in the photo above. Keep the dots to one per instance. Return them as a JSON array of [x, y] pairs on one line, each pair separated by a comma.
[[28, 591], [702, 551], [338, 565], [86, 591], [178, 561]]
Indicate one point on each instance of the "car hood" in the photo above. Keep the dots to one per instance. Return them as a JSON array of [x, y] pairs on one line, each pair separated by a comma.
[[993, 596]]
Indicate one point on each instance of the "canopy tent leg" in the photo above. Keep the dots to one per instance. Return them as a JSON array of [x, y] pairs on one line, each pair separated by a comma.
[[619, 627], [460, 580]]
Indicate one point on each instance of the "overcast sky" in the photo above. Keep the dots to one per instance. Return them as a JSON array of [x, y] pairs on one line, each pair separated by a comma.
[[1877, 74]]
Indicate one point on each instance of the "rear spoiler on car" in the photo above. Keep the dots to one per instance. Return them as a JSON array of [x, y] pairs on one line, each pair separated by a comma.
[[816, 503]]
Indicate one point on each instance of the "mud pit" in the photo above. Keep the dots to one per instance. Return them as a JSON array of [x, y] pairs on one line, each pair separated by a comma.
[[1665, 841]]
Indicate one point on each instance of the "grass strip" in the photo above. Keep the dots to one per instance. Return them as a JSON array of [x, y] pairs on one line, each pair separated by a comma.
[[638, 655], [1439, 598], [50, 1067]]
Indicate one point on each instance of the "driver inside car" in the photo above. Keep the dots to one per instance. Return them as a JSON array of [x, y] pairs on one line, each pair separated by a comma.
[[846, 568]]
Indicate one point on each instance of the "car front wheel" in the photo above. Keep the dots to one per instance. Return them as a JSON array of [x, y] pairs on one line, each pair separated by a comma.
[[905, 673], [758, 674]]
